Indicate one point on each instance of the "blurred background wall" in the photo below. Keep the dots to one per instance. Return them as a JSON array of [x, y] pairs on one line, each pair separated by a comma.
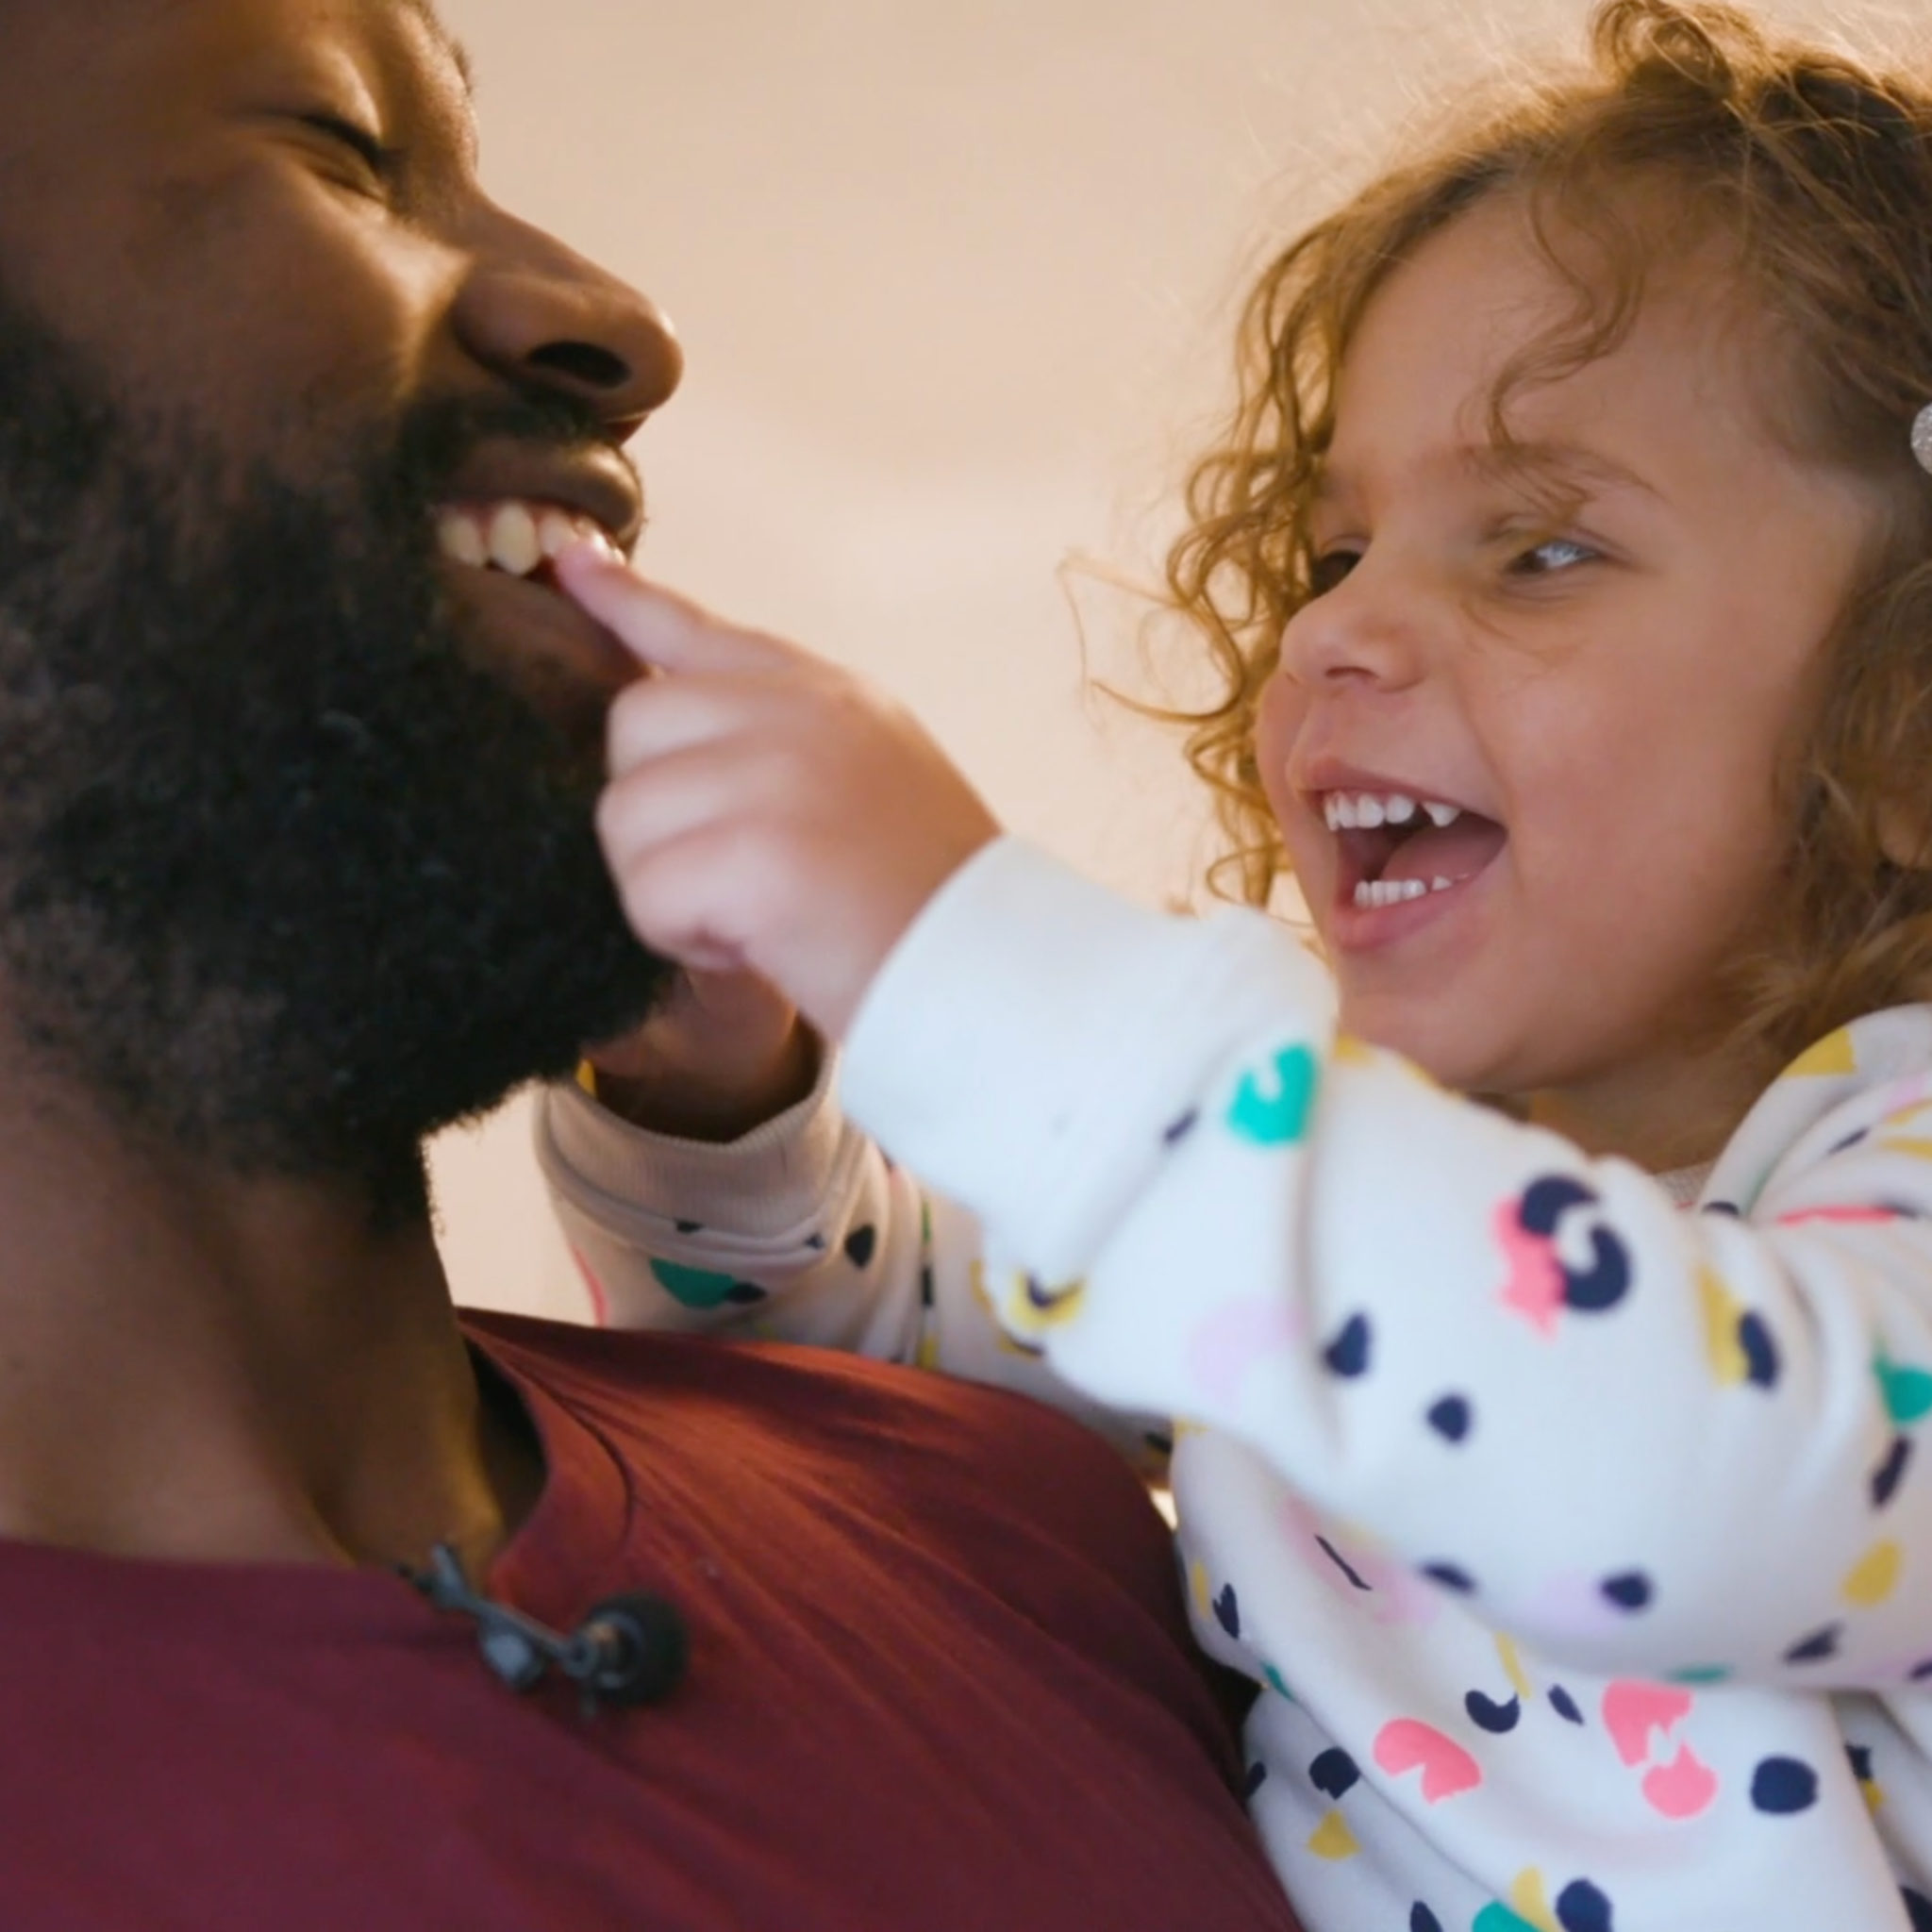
[[955, 280]]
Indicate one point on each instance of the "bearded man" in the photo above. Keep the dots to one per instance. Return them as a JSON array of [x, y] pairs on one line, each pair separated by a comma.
[[298, 753]]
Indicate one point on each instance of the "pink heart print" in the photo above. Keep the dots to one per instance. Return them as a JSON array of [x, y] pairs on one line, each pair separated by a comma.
[[1632, 1710], [1682, 1788], [1407, 1743]]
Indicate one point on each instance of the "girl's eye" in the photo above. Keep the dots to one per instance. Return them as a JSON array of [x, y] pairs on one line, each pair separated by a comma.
[[1550, 556], [1329, 570]]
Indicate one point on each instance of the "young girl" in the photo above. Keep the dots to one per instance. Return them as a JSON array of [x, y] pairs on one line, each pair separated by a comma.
[[1571, 569]]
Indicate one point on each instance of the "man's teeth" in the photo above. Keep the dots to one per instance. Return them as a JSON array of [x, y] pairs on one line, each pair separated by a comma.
[[1363, 811], [1372, 893], [513, 536]]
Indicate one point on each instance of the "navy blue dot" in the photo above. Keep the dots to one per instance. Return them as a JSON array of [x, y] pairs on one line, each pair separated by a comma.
[[1920, 1672], [1451, 1576], [1581, 1907], [860, 1243], [816, 1242], [1488, 1715], [1849, 1141], [1341, 1563], [1606, 1280], [1891, 1473], [1179, 1131], [744, 1294], [1728, 1209], [1422, 1920], [1348, 1353], [1157, 1441], [1760, 1351], [1257, 1777], [1918, 1909], [1781, 1785], [1545, 1202], [1859, 1757], [1334, 1772], [688, 1226], [1564, 1704], [1228, 1610], [1629, 1590], [1817, 1647], [1451, 1417]]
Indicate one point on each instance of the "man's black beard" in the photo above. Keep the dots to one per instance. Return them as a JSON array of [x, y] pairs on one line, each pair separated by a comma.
[[285, 880]]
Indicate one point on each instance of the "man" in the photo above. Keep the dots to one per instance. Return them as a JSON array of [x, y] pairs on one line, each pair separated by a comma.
[[296, 865]]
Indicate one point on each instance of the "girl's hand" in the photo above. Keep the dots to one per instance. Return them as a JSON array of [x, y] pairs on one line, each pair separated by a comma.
[[723, 1053], [766, 812]]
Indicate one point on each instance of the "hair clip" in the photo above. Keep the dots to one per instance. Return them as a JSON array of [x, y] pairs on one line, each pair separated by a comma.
[[1921, 438]]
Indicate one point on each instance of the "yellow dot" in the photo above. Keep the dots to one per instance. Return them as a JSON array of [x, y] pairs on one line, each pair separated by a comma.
[[1874, 1576], [1530, 1901], [1833, 1054], [1728, 1361], [1914, 1144], [1512, 1669], [1332, 1838], [1200, 1590]]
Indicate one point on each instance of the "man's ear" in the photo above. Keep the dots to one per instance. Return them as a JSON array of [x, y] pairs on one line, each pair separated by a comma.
[[1904, 831]]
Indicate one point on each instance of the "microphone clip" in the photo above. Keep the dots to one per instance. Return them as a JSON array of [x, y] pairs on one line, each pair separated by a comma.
[[629, 1650]]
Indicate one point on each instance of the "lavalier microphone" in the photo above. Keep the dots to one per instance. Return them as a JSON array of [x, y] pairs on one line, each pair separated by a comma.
[[629, 1649]]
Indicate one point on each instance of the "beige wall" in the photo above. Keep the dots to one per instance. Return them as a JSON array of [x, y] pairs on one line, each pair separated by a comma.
[[954, 278]]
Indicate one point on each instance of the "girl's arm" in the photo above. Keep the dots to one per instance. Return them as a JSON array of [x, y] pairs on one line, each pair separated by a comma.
[[798, 1231], [1655, 1442]]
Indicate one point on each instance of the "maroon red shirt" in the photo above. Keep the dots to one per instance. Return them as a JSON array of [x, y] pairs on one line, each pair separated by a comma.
[[939, 1680]]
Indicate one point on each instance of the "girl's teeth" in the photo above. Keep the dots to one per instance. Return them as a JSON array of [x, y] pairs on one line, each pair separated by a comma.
[[513, 543], [1350, 811], [1373, 893]]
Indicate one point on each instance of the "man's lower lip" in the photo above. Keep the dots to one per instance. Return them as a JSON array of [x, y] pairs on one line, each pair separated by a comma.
[[553, 630], [1363, 929]]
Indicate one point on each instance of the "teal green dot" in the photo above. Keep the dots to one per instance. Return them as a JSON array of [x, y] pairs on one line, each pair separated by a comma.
[[1499, 1918], [1699, 1673], [1275, 1682], [1275, 1112], [1907, 1391], [694, 1288]]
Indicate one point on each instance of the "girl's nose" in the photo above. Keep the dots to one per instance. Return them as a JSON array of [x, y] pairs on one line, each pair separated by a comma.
[[1367, 631]]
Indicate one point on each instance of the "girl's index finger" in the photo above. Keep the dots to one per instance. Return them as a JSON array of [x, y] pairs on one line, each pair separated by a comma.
[[657, 625]]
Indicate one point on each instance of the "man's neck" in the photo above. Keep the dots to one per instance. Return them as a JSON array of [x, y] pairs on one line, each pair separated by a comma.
[[199, 1366]]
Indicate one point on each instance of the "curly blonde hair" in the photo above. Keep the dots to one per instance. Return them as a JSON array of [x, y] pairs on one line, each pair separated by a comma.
[[1816, 178]]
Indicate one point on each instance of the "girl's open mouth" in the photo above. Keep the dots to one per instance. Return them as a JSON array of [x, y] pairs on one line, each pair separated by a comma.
[[1393, 847]]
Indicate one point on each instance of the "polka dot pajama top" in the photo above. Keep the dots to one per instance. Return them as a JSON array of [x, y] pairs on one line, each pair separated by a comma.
[[1578, 1537]]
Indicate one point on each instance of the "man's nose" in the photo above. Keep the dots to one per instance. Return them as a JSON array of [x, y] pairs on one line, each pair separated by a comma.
[[544, 318]]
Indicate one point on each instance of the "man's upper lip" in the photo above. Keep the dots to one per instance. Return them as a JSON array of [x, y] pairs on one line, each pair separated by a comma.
[[594, 481]]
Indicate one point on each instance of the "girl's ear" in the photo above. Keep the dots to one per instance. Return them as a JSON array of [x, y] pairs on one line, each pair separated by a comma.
[[1904, 831]]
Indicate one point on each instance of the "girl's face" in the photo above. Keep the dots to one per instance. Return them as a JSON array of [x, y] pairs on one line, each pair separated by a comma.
[[1594, 701]]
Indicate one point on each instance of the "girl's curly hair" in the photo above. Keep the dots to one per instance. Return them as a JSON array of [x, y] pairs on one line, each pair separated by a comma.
[[1815, 179]]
